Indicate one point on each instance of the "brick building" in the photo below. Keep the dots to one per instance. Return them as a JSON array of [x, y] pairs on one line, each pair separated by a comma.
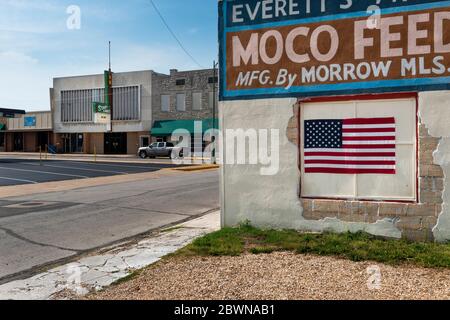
[[180, 99]]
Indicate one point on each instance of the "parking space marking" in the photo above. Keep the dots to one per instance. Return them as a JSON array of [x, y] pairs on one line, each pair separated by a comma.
[[76, 168], [134, 167], [50, 173], [19, 180]]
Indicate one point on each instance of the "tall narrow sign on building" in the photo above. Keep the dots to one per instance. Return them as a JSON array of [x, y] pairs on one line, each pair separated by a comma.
[[287, 48], [102, 110]]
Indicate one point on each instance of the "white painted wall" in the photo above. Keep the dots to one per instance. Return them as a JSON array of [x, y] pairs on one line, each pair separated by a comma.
[[142, 78], [273, 201], [434, 111]]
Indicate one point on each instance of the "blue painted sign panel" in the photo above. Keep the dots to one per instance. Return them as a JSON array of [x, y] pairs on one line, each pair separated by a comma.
[[302, 48], [29, 121]]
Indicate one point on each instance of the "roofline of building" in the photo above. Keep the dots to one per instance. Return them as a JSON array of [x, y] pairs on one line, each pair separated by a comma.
[[101, 74], [135, 71], [194, 70], [17, 111], [39, 111]]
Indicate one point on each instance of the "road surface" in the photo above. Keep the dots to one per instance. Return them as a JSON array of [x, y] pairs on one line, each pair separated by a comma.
[[39, 230], [17, 171]]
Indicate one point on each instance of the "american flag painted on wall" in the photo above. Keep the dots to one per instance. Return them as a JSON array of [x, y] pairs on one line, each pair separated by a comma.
[[350, 146]]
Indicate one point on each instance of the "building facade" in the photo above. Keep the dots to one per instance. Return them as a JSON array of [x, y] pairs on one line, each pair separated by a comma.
[[72, 101], [182, 98], [147, 107], [359, 150], [30, 132], [6, 114]]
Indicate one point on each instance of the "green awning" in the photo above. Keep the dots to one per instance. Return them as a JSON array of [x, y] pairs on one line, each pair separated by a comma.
[[2, 127], [167, 127]]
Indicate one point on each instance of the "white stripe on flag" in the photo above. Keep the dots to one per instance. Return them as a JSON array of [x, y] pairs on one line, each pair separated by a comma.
[[369, 134], [350, 150], [371, 142]]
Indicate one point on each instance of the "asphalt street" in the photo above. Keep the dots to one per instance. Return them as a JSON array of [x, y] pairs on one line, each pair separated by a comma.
[[39, 230], [26, 171]]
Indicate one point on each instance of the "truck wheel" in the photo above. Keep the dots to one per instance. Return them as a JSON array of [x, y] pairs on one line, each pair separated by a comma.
[[143, 154]]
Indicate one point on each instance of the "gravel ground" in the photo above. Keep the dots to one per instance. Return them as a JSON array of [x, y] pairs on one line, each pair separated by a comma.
[[277, 276]]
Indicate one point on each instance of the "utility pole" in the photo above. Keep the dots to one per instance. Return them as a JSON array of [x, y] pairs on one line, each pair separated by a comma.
[[109, 51], [215, 64], [110, 93]]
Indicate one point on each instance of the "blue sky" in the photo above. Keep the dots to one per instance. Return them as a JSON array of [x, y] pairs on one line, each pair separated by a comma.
[[36, 45]]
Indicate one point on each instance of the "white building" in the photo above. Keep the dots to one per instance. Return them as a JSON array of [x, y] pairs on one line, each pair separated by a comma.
[[72, 99]]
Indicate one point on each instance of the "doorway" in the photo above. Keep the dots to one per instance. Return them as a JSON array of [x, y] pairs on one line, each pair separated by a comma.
[[18, 141], [115, 143], [42, 140], [73, 143], [145, 141]]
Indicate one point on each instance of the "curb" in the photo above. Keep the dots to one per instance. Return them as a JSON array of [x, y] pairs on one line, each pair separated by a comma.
[[197, 168]]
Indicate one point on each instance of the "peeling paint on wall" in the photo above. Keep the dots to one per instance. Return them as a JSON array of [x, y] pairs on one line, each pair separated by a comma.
[[434, 110], [273, 201]]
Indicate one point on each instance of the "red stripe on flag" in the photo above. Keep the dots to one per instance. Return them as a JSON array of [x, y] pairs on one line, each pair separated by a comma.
[[350, 171], [364, 121], [352, 162], [359, 138], [368, 130], [369, 146]]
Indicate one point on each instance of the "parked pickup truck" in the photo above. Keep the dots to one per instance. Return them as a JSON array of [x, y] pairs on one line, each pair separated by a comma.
[[160, 149]]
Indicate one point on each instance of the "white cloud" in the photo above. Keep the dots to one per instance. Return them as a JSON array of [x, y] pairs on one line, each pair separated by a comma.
[[157, 57], [25, 81], [41, 5], [13, 57]]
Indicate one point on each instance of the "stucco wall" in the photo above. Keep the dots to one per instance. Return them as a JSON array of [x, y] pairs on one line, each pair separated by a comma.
[[434, 111], [273, 201]]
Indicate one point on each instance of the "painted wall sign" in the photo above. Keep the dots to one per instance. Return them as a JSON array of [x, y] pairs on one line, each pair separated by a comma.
[[29, 121], [295, 48]]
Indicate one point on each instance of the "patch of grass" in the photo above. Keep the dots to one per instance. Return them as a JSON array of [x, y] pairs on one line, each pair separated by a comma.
[[226, 242], [354, 246]]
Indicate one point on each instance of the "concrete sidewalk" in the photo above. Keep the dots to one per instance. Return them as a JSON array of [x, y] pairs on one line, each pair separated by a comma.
[[98, 271]]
